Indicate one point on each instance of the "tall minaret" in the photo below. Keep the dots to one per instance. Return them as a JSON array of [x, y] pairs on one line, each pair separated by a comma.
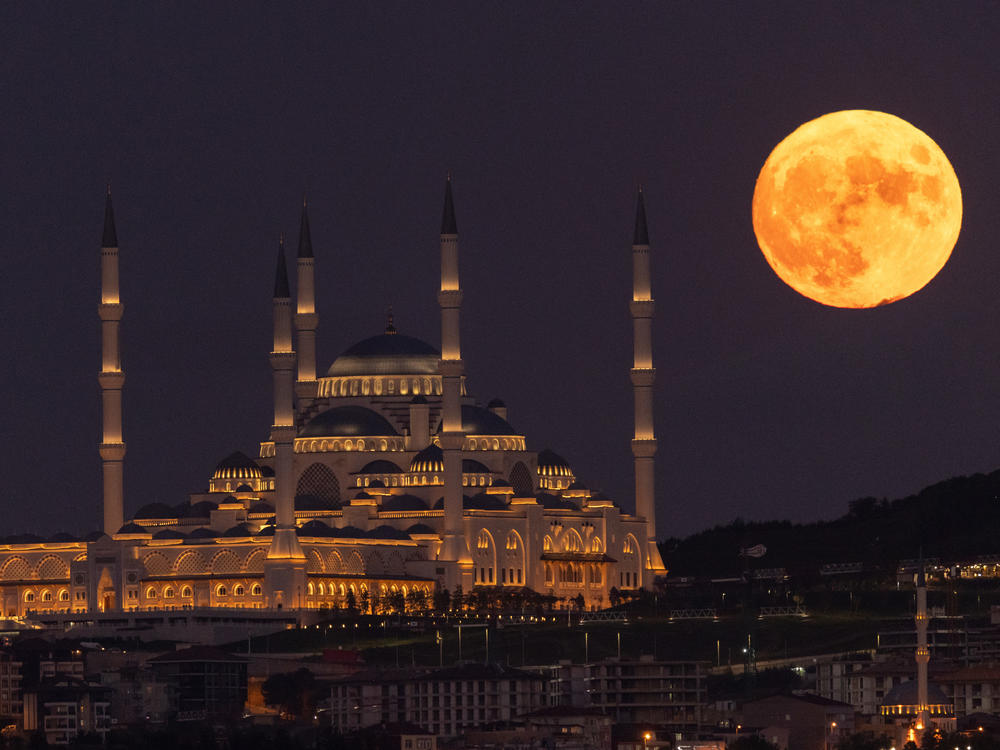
[[452, 369], [923, 654], [111, 377], [306, 318], [643, 374], [285, 565]]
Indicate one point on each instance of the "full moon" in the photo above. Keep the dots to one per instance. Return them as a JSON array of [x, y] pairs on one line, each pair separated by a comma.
[[857, 209]]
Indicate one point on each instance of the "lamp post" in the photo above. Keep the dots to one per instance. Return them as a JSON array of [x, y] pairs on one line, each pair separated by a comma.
[[646, 737]]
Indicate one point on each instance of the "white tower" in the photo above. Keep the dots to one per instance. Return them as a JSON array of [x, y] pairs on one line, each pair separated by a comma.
[[284, 568], [452, 370], [306, 318], [111, 377], [643, 374], [923, 654]]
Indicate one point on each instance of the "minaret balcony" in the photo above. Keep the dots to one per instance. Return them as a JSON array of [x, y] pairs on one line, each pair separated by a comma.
[[450, 298], [110, 311], [643, 377], [111, 380]]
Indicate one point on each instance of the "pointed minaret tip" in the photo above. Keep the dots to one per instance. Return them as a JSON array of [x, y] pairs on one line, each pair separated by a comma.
[[390, 327], [305, 236], [110, 238], [448, 223], [641, 236], [281, 273]]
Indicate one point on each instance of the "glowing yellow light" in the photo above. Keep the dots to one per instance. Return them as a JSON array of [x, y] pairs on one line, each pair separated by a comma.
[[857, 209]]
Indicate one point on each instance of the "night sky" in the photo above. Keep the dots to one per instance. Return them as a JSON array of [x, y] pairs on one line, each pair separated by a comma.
[[211, 121]]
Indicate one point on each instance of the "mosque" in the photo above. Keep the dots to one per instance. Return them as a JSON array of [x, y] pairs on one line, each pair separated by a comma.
[[379, 479]]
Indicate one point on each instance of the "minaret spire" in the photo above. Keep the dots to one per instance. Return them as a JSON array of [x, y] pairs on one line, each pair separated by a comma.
[[306, 318], [111, 377], [452, 372], [643, 375], [923, 654], [285, 564]]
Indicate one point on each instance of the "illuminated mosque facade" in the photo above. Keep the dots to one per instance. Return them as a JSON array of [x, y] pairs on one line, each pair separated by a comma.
[[381, 478]]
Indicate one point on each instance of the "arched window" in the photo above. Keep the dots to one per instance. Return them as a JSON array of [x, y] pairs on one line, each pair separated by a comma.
[[186, 592], [239, 590], [29, 596], [322, 589], [168, 593], [64, 596], [221, 590], [46, 596], [547, 544], [310, 589], [256, 590], [150, 593]]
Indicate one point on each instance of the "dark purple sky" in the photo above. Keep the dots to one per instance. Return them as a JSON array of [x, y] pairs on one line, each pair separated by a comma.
[[212, 120]]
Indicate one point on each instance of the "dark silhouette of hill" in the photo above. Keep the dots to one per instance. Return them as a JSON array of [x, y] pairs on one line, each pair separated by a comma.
[[956, 519]]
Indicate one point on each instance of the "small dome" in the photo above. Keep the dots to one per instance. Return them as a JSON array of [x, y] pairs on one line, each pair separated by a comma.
[[420, 528], [239, 530], [132, 528], [93, 536], [237, 466], [430, 458], [471, 466], [266, 531], [403, 502], [501, 483], [315, 528], [380, 467], [387, 532], [363, 496], [387, 354], [351, 532], [418, 399], [203, 533], [496, 404], [169, 534], [63, 536], [314, 502], [244, 488], [551, 464], [266, 471], [482, 501], [378, 484], [261, 506], [156, 510], [479, 421], [348, 421], [25, 539]]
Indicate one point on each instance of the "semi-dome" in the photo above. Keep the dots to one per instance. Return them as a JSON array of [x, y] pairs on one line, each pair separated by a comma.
[[471, 466], [237, 465], [403, 502], [155, 510], [479, 421], [380, 466], [387, 354], [348, 421], [430, 458]]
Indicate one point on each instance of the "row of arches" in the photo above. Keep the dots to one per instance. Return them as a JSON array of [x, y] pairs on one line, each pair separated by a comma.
[[377, 386], [185, 592], [324, 445], [49, 567], [227, 562]]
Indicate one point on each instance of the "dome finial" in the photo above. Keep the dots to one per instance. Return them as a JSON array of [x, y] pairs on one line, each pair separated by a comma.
[[389, 327], [110, 236], [281, 290]]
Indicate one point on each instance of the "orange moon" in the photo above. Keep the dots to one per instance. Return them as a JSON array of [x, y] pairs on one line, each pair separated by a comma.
[[857, 209]]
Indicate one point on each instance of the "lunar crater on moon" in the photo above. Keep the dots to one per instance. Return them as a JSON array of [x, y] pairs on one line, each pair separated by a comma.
[[857, 209]]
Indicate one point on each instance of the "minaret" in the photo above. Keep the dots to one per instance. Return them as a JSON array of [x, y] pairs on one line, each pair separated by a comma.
[[452, 370], [285, 565], [643, 374], [306, 318], [111, 377], [923, 654]]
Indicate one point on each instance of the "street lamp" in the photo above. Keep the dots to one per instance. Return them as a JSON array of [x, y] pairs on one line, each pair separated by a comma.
[[646, 737]]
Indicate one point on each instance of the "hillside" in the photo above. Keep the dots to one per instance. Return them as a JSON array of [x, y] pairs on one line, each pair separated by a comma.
[[956, 519]]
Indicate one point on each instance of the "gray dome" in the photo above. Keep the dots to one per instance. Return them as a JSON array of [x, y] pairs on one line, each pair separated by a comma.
[[479, 421], [348, 421], [387, 354]]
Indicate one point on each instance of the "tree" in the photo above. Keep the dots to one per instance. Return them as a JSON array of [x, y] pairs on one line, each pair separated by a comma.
[[365, 602], [614, 596], [457, 599], [578, 601], [293, 692], [442, 598], [352, 602]]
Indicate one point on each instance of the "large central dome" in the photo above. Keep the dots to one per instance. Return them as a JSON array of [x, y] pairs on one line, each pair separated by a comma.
[[387, 354]]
